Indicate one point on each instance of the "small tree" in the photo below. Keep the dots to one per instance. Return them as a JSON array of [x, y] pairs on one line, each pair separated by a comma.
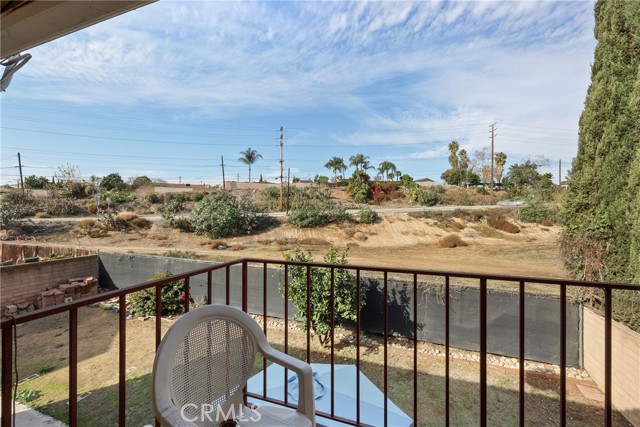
[[344, 291], [220, 214], [113, 181], [141, 181], [33, 181]]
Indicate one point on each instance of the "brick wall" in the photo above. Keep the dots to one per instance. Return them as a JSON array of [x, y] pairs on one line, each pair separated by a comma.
[[625, 380], [21, 283]]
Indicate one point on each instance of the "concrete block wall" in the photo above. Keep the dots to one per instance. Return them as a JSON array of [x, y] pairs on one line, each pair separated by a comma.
[[20, 283], [625, 378]]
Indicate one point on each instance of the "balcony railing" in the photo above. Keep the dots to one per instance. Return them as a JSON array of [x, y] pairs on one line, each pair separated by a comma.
[[229, 285]]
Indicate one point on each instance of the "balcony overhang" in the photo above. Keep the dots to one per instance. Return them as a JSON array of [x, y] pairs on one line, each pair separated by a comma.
[[27, 24]]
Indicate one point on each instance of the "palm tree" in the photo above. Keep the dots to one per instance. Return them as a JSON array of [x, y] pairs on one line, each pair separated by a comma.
[[388, 169], [335, 164], [358, 160], [249, 157]]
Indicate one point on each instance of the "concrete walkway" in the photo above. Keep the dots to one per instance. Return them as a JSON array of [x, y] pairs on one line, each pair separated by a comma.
[[27, 417]]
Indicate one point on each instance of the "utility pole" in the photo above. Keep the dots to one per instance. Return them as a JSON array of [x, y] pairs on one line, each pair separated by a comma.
[[493, 126], [223, 184], [21, 180], [281, 165]]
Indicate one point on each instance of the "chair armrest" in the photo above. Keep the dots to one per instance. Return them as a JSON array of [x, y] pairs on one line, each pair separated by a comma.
[[306, 402]]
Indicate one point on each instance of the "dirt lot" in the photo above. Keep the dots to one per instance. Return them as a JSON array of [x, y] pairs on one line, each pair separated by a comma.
[[399, 240]]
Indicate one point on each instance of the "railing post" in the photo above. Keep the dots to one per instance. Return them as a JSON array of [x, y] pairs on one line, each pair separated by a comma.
[[563, 355], [447, 363], [385, 315], [608, 314], [521, 354], [244, 285], [73, 367], [187, 294], [483, 352], [308, 314], [122, 361], [415, 347], [358, 289], [7, 375]]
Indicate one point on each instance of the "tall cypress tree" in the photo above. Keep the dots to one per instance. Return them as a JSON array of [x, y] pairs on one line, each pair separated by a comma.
[[599, 239], [633, 13]]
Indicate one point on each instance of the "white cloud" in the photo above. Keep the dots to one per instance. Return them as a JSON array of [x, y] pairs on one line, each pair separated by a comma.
[[410, 73]]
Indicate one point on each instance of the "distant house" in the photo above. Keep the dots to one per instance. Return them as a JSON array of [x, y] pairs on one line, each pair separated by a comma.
[[425, 182]]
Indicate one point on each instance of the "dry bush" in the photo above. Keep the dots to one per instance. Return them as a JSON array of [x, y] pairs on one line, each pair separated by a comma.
[[451, 241], [547, 223], [457, 226], [469, 197], [86, 224], [91, 228], [140, 223], [126, 216], [498, 221]]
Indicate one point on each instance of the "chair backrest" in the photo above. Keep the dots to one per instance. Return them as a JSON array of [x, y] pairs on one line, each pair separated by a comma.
[[206, 358]]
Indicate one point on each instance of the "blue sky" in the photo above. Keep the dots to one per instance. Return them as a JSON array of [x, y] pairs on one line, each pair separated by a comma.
[[168, 89]]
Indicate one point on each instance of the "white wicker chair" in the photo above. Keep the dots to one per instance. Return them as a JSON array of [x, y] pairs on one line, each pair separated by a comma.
[[204, 362]]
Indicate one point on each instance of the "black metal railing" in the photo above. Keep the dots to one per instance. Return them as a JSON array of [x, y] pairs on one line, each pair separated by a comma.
[[357, 271]]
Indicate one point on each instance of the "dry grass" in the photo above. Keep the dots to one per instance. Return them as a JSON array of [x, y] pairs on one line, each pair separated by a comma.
[[451, 241]]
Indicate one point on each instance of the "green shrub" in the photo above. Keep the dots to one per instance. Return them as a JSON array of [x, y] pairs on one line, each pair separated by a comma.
[[27, 395], [344, 286], [45, 369], [153, 198], [119, 197], [318, 214], [537, 211], [368, 216], [428, 197], [407, 181], [143, 303], [196, 196], [113, 181], [360, 187], [220, 214]]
